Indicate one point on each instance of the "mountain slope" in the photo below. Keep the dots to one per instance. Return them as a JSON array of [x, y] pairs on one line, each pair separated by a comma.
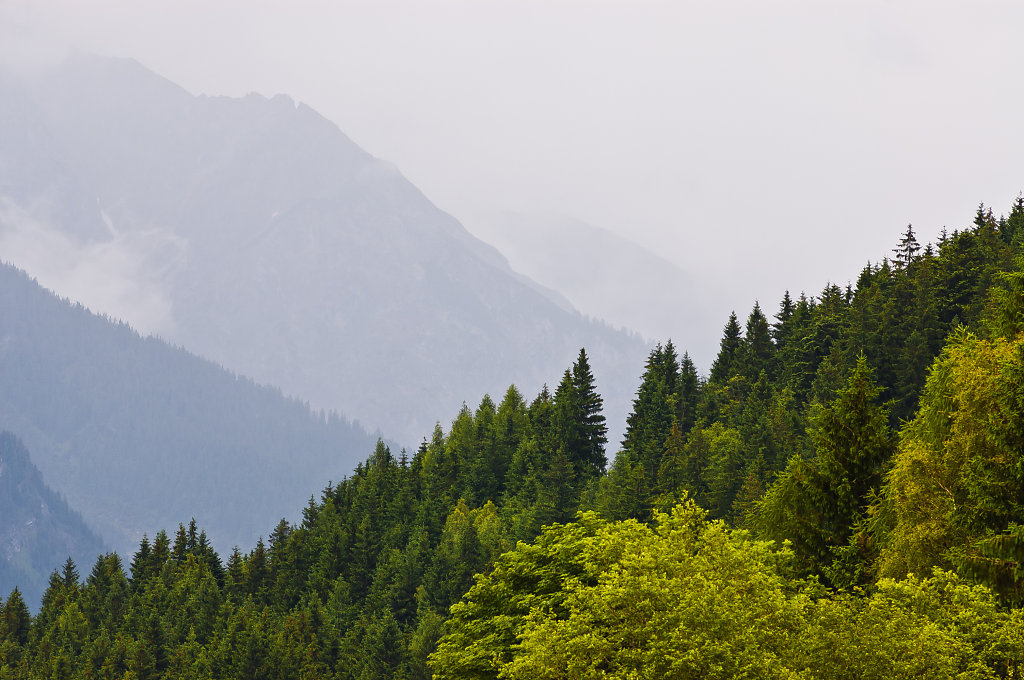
[[274, 245], [606, 276], [38, 530], [140, 436]]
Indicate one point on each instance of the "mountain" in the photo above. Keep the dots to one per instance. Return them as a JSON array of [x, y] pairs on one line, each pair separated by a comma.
[[255, 233], [139, 435], [606, 276], [38, 531]]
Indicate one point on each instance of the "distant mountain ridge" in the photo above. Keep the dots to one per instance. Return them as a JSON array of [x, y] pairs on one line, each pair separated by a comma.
[[140, 436], [255, 233]]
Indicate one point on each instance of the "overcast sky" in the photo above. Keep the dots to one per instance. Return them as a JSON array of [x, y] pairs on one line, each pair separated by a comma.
[[759, 145]]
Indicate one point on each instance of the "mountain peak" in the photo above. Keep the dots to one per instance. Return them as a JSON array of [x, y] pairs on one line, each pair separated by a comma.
[[285, 252]]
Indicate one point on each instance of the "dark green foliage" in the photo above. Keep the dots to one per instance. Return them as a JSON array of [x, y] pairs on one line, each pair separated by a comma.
[[580, 423], [687, 394], [655, 410], [15, 619], [359, 588], [998, 561], [908, 248], [729, 352], [758, 349], [818, 503]]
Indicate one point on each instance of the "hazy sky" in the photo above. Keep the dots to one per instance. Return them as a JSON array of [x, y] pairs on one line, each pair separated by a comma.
[[760, 145]]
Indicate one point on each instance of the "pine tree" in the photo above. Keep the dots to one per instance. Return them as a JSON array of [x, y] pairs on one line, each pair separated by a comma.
[[192, 538], [258, 571], [625, 492], [509, 427], [15, 620], [653, 411], [853, 442], [161, 549], [758, 351], [908, 248], [785, 313], [1012, 230], [728, 353], [69, 576], [688, 394], [581, 426], [143, 565], [818, 504], [672, 471], [207, 555], [179, 551], [998, 562]]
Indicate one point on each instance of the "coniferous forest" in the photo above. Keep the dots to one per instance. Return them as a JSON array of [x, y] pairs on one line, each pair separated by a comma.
[[842, 496]]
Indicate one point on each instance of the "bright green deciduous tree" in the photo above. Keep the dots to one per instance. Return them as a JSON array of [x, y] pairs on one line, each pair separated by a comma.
[[688, 598], [959, 474]]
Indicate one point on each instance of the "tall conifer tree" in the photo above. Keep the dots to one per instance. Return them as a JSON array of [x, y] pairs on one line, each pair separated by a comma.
[[729, 351]]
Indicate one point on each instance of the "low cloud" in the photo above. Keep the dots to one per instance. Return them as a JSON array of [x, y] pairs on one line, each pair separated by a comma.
[[119, 277]]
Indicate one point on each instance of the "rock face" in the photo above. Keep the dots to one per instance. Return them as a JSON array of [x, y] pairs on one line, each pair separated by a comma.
[[38, 531], [255, 233], [140, 436]]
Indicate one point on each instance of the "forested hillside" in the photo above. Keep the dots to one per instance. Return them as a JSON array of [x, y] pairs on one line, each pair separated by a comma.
[[253, 232], [37, 529], [136, 433], [839, 498]]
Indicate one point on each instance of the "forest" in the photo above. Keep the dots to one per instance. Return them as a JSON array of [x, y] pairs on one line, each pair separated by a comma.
[[842, 496]]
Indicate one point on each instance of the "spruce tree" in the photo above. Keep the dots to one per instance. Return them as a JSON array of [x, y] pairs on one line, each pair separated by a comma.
[[908, 248], [728, 353], [69, 576], [818, 505], [853, 443], [142, 564], [15, 620], [1012, 229], [758, 351], [580, 423], [672, 470], [688, 394], [650, 422]]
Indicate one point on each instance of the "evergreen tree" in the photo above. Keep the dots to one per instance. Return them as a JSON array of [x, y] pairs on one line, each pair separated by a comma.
[[817, 504], [15, 620], [1012, 229], [580, 422], [161, 548], [688, 394], [179, 551], [785, 313], [672, 471], [908, 248], [142, 564], [654, 411], [998, 562], [69, 576], [757, 352], [728, 353]]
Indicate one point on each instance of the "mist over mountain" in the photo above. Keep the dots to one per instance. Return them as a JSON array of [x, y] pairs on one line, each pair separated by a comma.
[[606, 276], [38, 531], [140, 436], [253, 232]]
